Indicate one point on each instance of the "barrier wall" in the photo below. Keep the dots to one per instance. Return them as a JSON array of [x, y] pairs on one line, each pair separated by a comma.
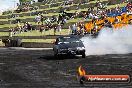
[[37, 45]]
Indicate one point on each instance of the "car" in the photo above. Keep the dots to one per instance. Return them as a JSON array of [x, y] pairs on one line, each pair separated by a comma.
[[68, 45]]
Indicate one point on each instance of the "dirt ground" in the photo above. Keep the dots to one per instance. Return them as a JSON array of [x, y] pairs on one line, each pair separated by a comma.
[[37, 68]]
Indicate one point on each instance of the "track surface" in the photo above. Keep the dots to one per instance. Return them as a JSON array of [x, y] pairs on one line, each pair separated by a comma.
[[37, 68]]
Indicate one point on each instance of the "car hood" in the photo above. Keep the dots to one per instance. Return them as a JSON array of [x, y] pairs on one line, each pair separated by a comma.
[[71, 45]]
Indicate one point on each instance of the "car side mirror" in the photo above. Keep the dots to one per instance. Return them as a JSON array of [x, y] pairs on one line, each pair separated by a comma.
[[56, 43], [60, 42]]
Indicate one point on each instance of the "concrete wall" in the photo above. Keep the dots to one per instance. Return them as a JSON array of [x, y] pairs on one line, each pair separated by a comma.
[[37, 45]]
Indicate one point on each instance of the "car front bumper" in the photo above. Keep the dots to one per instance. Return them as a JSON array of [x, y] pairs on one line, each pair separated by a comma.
[[72, 51]]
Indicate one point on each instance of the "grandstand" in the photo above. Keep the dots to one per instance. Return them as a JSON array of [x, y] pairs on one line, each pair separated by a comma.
[[49, 8]]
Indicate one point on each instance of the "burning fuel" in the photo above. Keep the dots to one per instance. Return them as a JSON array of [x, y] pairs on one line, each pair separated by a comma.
[[110, 41], [81, 71]]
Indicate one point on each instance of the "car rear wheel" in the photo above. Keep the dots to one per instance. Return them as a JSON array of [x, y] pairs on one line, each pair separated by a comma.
[[83, 55]]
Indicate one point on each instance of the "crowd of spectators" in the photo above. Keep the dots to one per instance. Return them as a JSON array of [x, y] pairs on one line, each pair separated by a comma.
[[97, 14], [114, 18], [45, 23], [26, 6], [21, 27]]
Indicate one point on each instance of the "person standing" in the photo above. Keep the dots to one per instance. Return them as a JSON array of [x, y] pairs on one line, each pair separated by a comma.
[[37, 19], [59, 28], [10, 33], [42, 19]]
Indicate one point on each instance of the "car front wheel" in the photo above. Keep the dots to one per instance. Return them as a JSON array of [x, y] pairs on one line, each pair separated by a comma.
[[56, 54], [83, 55]]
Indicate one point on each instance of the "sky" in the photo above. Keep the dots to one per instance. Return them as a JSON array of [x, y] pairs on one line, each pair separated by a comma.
[[8, 4]]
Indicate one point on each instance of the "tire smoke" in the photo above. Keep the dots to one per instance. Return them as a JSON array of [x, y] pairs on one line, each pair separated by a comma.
[[110, 41]]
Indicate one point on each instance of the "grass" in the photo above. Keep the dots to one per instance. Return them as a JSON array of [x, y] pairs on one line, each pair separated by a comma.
[[1, 43], [73, 20], [55, 7], [33, 23], [113, 6], [79, 10], [37, 33], [50, 14], [13, 25], [38, 10], [51, 32], [3, 19], [5, 15], [97, 0], [32, 17], [52, 7], [8, 25], [33, 11], [4, 33], [76, 20]]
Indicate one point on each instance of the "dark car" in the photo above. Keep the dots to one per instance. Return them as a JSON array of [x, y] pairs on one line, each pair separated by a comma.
[[68, 45]]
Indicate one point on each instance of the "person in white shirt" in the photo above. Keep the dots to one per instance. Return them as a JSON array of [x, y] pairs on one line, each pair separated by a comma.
[[38, 19]]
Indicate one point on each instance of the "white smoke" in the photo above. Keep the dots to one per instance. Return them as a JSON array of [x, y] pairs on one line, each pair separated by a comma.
[[110, 42]]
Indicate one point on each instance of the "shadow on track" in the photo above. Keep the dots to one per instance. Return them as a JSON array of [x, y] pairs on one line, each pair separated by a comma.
[[63, 57]]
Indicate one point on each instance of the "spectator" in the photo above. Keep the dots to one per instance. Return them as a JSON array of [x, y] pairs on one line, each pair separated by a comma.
[[47, 21], [42, 28], [17, 19], [10, 32], [70, 30], [37, 19], [42, 19], [74, 29], [59, 28], [25, 27], [29, 26], [53, 19]]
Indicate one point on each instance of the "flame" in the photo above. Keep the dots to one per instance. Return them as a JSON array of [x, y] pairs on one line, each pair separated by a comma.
[[81, 71]]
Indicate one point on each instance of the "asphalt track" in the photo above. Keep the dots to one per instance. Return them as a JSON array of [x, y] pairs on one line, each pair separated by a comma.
[[37, 68]]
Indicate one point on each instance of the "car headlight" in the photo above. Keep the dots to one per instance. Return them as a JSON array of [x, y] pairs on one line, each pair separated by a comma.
[[80, 48]]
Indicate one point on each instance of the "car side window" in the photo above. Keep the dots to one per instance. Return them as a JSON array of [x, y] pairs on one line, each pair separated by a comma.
[[60, 40]]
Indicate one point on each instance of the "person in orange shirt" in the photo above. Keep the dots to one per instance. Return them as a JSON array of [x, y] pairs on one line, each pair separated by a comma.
[[125, 20], [119, 18], [89, 26], [124, 15], [111, 19]]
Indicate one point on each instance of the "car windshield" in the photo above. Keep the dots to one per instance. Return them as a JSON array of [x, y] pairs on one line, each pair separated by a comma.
[[69, 39]]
